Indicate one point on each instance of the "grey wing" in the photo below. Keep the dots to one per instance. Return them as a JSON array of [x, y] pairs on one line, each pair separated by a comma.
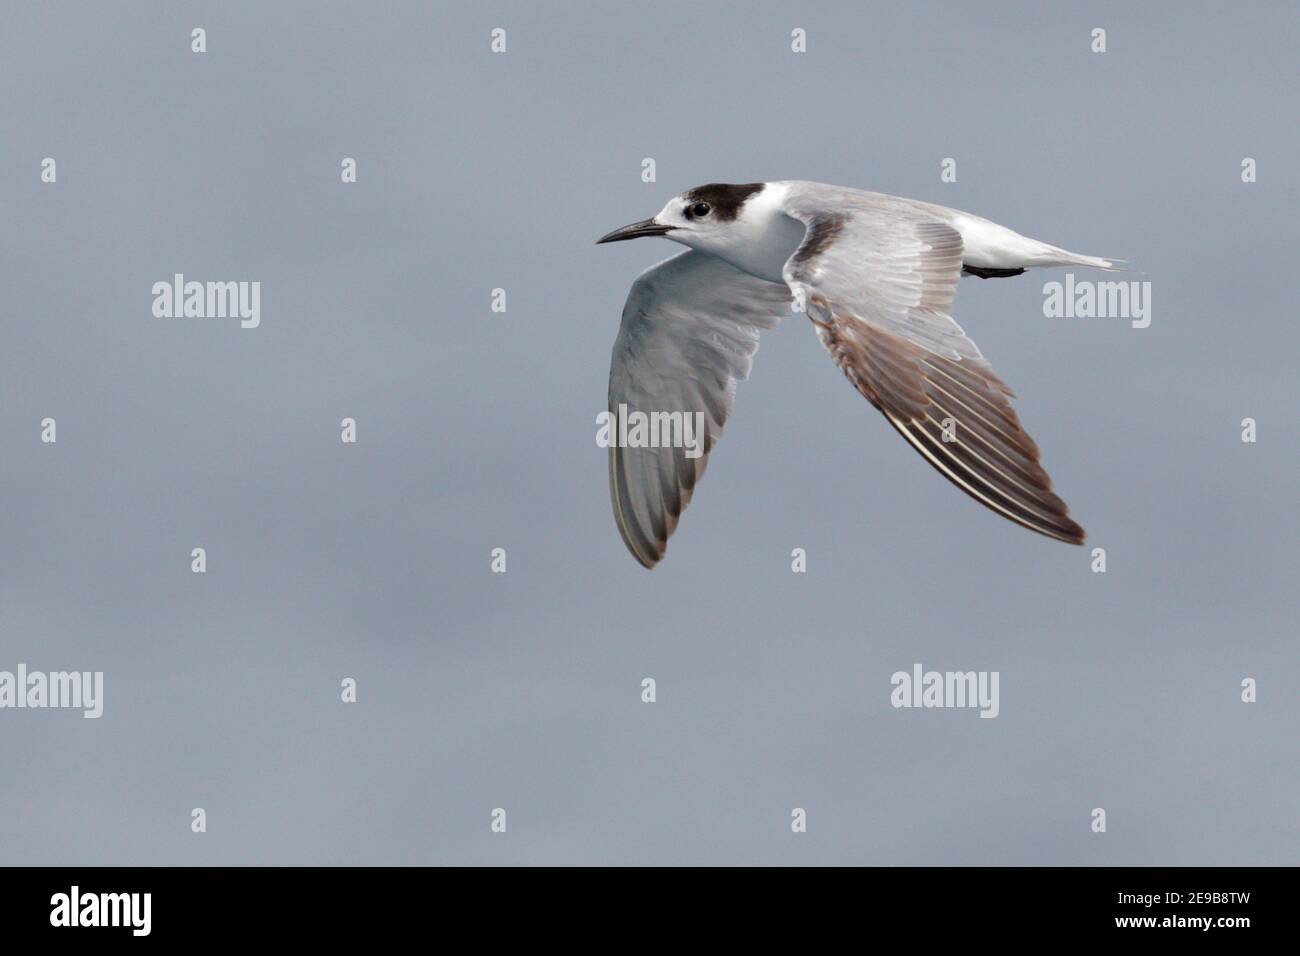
[[689, 333], [877, 276]]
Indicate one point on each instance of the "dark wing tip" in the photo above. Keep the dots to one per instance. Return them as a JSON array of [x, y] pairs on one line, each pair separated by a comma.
[[649, 562], [1075, 533], [639, 542]]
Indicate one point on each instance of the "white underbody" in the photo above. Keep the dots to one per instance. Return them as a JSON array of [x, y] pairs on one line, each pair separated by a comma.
[[764, 237]]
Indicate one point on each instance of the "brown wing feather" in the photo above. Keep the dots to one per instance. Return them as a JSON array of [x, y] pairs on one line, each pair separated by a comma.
[[989, 456]]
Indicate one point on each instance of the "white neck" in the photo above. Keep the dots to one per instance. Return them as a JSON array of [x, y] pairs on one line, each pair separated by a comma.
[[762, 237]]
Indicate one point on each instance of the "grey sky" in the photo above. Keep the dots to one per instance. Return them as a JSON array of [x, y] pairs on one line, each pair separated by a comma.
[[477, 430]]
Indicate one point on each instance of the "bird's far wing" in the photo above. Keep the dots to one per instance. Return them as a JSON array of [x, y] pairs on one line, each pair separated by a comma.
[[877, 278], [689, 333]]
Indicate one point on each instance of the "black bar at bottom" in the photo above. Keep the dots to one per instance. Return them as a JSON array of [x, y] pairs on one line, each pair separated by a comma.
[[332, 906]]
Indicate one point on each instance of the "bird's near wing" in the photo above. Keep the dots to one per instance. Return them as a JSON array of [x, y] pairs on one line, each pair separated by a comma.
[[877, 279], [689, 333]]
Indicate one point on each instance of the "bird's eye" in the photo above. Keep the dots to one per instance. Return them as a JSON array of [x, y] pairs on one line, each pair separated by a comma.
[[698, 211]]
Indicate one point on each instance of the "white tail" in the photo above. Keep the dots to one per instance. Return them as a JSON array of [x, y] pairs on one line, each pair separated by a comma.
[[1052, 256], [990, 246]]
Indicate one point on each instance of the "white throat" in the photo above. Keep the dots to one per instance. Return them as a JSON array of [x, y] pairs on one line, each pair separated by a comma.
[[761, 238]]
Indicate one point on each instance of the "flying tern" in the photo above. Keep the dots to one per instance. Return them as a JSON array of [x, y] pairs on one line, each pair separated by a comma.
[[876, 275]]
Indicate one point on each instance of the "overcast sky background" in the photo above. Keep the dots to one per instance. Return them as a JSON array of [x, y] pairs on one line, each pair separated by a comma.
[[477, 430]]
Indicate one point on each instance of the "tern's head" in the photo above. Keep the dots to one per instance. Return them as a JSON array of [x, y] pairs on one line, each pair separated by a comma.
[[706, 217]]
